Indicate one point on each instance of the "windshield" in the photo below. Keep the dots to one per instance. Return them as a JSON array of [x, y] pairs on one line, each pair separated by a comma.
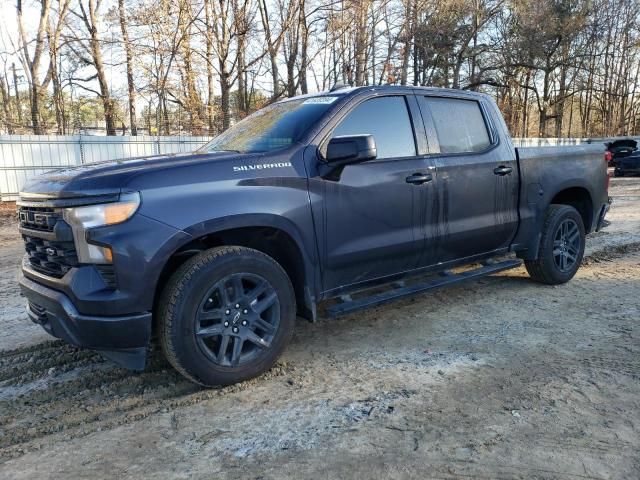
[[273, 127]]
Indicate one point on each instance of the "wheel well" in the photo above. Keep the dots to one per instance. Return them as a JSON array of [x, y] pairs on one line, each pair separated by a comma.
[[274, 242], [580, 199]]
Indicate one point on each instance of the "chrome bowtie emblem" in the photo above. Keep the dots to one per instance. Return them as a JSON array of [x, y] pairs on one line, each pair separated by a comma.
[[50, 251]]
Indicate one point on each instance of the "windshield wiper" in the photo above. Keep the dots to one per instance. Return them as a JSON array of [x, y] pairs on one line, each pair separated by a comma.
[[224, 150]]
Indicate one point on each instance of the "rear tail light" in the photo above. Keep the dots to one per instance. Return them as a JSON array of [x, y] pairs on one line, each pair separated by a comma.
[[608, 156]]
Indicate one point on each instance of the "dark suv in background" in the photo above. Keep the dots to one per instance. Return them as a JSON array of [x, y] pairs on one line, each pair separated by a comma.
[[625, 157]]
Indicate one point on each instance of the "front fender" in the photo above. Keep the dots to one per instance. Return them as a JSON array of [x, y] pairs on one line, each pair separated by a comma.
[[216, 225], [305, 245], [205, 199]]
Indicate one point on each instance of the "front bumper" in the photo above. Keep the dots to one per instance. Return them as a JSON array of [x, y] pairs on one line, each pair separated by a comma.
[[123, 339], [141, 247]]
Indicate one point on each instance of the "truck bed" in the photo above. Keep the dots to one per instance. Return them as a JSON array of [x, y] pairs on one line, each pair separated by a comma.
[[545, 171]]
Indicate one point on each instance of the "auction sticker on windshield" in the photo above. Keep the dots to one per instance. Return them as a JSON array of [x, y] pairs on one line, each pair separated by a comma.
[[319, 100]]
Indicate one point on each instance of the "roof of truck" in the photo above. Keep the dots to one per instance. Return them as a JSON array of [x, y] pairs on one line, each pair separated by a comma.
[[341, 91]]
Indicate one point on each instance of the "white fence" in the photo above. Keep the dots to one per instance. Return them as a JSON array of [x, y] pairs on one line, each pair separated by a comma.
[[22, 156], [548, 142]]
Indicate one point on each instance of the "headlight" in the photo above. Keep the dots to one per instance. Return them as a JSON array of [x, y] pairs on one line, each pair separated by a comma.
[[83, 218]]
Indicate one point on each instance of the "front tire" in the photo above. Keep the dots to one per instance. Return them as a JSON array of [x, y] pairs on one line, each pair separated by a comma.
[[561, 246], [226, 315]]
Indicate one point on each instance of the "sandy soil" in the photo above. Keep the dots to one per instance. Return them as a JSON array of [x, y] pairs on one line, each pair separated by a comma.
[[498, 378]]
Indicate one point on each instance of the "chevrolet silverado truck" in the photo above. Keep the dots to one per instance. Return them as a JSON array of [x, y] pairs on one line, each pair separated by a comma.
[[360, 195]]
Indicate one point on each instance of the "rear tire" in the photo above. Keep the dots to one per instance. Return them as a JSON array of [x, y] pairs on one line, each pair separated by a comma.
[[617, 173], [561, 246], [226, 315]]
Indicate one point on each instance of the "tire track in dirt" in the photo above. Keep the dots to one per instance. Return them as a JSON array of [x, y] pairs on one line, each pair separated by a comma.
[[611, 253], [55, 389], [6, 355], [77, 393], [26, 367]]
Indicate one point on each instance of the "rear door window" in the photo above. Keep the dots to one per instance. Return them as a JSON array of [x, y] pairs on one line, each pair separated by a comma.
[[459, 124], [387, 119]]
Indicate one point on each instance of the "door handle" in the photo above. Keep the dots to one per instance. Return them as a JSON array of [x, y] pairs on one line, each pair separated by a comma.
[[502, 170], [419, 178]]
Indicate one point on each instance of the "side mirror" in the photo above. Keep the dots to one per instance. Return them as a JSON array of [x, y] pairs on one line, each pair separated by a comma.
[[350, 149]]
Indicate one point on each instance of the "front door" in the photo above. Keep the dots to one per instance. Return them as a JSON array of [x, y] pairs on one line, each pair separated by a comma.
[[367, 220]]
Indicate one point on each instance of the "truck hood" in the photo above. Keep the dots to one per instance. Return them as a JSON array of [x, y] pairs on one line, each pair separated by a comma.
[[103, 179]]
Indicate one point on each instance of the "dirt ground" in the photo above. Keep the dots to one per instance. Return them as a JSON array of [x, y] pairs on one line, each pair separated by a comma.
[[498, 378]]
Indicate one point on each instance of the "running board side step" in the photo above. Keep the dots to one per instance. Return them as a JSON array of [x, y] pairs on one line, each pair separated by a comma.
[[348, 305]]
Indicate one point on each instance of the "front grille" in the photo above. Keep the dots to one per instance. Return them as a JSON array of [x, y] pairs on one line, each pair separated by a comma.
[[50, 257], [37, 218], [48, 241]]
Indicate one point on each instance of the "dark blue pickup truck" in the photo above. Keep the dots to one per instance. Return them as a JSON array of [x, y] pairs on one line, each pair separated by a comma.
[[312, 198]]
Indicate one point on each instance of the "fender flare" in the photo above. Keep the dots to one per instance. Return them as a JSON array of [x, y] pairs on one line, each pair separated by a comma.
[[257, 220], [530, 248]]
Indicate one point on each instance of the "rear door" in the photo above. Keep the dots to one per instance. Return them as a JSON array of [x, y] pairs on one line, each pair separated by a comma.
[[477, 188], [367, 219]]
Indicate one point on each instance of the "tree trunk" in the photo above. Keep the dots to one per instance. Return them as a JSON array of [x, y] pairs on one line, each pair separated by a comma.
[[241, 28], [17, 95], [109, 117], [562, 92], [543, 107], [209, 60], [304, 43], [34, 62], [58, 101], [291, 57], [53, 34], [193, 102], [129, 62], [272, 47], [410, 12], [225, 104], [525, 108], [6, 106], [243, 102], [91, 22], [164, 127], [360, 54]]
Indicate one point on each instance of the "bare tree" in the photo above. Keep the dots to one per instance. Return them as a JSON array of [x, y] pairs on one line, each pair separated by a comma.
[[128, 51], [89, 51], [6, 105], [16, 93], [54, 31], [33, 60], [273, 39]]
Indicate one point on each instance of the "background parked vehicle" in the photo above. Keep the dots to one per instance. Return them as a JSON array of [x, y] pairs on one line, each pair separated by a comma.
[[624, 157]]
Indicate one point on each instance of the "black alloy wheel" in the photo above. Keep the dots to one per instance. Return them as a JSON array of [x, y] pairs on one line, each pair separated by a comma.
[[566, 245], [237, 319]]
